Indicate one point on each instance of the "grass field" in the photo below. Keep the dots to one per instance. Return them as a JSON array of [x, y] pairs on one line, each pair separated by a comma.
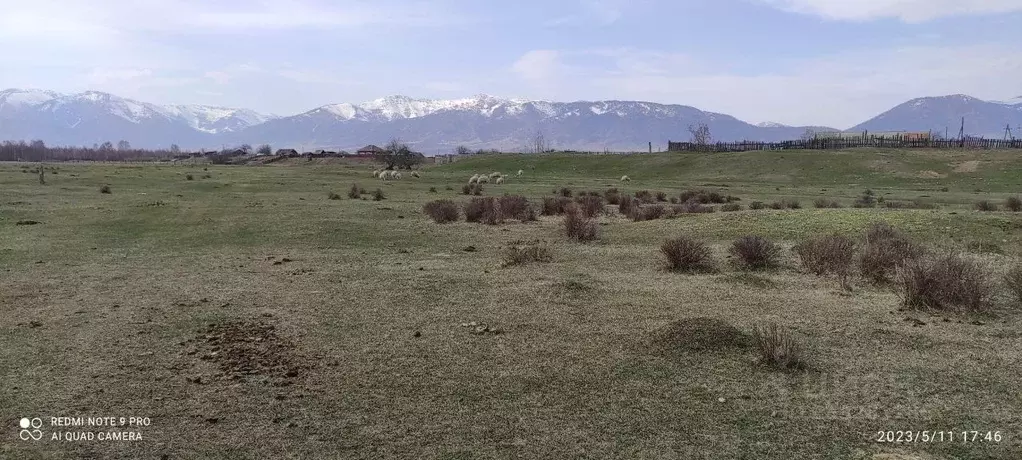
[[249, 316]]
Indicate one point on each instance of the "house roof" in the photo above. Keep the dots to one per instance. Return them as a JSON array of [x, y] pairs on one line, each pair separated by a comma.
[[370, 148]]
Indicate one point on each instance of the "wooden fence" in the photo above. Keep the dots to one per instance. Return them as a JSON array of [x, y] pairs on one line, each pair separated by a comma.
[[851, 143]]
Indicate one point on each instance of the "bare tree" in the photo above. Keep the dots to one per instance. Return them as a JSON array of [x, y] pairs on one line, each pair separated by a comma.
[[123, 145], [106, 146], [397, 155], [265, 149], [700, 134], [462, 150], [539, 143], [247, 148], [175, 149], [809, 134]]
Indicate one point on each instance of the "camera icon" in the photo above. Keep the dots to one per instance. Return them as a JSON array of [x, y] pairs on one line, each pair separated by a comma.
[[30, 429]]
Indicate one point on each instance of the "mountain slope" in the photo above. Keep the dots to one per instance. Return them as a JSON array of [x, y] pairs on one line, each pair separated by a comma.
[[982, 118]]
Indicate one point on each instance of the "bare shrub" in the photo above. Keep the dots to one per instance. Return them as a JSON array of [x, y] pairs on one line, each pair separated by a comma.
[[948, 281], [378, 195], [590, 205], [757, 205], [684, 254], [612, 195], [441, 211], [484, 210], [648, 212], [627, 205], [524, 254], [792, 204], [578, 227], [984, 205], [516, 207], [778, 205], [104, 189], [1013, 281], [828, 255], [448, 188], [466, 189], [1013, 204], [355, 192], [333, 196], [777, 347], [823, 203], [565, 192], [189, 177], [477, 189], [694, 207], [661, 196], [886, 249], [866, 200], [555, 206], [674, 200], [755, 253], [432, 190], [731, 207], [644, 196]]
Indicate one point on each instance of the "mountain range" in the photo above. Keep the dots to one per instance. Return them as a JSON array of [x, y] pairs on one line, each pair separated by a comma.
[[438, 126]]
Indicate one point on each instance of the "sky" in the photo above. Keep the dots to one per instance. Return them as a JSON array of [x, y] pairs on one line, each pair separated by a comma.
[[799, 62]]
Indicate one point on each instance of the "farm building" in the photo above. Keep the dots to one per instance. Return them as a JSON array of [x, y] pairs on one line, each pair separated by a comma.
[[369, 151]]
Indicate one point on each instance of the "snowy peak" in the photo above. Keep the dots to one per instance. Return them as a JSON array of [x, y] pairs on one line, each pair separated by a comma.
[[771, 124], [213, 120], [21, 98]]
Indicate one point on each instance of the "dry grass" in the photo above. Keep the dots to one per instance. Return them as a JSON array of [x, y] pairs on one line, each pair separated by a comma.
[[693, 207], [946, 282], [731, 207], [441, 211], [685, 254], [777, 347], [1013, 281], [378, 195], [522, 254], [612, 195], [755, 253], [757, 205], [824, 203], [332, 196], [1013, 204], [700, 336], [986, 206]]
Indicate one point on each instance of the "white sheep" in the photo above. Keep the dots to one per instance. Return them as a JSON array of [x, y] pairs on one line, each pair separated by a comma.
[[519, 172], [494, 175], [474, 179], [376, 173], [625, 179], [500, 180], [385, 174], [396, 175], [415, 174], [482, 180]]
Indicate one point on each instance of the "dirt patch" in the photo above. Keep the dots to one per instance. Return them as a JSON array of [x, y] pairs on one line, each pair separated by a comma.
[[930, 174], [700, 335], [248, 348], [967, 166], [28, 222]]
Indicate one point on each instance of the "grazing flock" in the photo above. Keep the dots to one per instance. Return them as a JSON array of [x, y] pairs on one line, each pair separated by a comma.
[[495, 177]]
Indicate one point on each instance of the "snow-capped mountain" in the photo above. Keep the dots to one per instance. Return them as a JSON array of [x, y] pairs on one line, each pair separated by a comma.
[[433, 126], [944, 114]]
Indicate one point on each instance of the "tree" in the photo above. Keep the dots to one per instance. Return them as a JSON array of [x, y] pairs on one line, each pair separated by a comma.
[[462, 150], [38, 145], [397, 155], [265, 149], [539, 144], [247, 148], [106, 146], [809, 134], [175, 149], [123, 146], [700, 134]]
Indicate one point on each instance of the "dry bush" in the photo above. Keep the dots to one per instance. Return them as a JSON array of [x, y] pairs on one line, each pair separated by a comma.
[[755, 253], [189, 177], [777, 347], [448, 188], [627, 205], [516, 207], [333, 196], [1013, 281], [661, 196], [578, 227], [674, 200], [378, 195], [731, 199], [792, 204], [886, 249], [355, 192], [648, 212], [484, 210], [1013, 204], [777, 205], [525, 254], [104, 189], [441, 211], [949, 281], [466, 189], [432, 190], [565, 192], [555, 206], [644, 196], [693, 207], [731, 207], [590, 205], [984, 205], [704, 197], [612, 195], [831, 254], [755, 205], [823, 203], [684, 254]]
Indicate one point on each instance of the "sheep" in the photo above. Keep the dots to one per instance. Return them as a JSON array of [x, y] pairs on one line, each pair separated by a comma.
[[415, 174], [395, 175], [474, 179], [494, 175], [625, 179], [384, 174], [519, 172], [500, 180], [482, 180], [376, 173]]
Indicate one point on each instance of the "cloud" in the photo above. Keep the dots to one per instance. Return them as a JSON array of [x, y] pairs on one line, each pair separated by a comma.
[[838, 90], [910, 11]]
